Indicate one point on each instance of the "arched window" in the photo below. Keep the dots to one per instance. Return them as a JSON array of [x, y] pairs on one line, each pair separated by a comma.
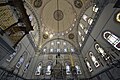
[[90, 20], [51, 50], [11, 56], [82, 38], [82, 25], [86, 31], [38, 70], [45, 49], [85, 17], [112, 39], [65, 50], [95, 8], [52, 43], [88, 65], [94, 60], [58, 42], [80, 44], [78, 69], [67, 69], [21, 60], [30, 17], [58, 50], [101, 51], [27, 65], [79, 33], [48, 72], [72, 49], [64, 43]]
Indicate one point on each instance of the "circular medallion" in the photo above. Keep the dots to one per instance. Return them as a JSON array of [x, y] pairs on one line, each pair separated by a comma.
[[71, 36], [45, 36], [78, 3], [37, 3], [58, 15]]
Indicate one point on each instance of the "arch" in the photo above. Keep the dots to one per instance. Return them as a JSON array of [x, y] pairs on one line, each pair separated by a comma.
[[37, 20], [78, 69], [94, 59], [21, 59], [102, 52], [38, 68], [27, 64], [95, 8], [112, 39], [49, 67], [67, 67], [88, 65]]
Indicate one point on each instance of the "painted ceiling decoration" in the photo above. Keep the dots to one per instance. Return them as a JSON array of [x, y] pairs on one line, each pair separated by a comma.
[[51, 15], [45, 36], [71, 36], [78, 3], [37, 3], [57, 18]]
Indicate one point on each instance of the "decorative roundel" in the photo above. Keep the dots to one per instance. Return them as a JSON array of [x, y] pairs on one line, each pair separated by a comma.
[[71, 36], [58, 15], [78, 3], [45, 36], [118, 17], [37, 3]]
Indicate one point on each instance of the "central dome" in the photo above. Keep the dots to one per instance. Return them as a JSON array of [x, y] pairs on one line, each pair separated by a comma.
[[62, 12]]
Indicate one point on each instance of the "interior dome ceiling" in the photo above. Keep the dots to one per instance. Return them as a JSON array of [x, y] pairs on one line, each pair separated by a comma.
[[58, 15], [57, 19]]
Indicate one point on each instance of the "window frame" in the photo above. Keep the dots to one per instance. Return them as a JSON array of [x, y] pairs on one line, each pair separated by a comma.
[[85, 17], [38, 69], [103, 54], [95, 8], [111, 36], [88, 65], [94, 59]]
